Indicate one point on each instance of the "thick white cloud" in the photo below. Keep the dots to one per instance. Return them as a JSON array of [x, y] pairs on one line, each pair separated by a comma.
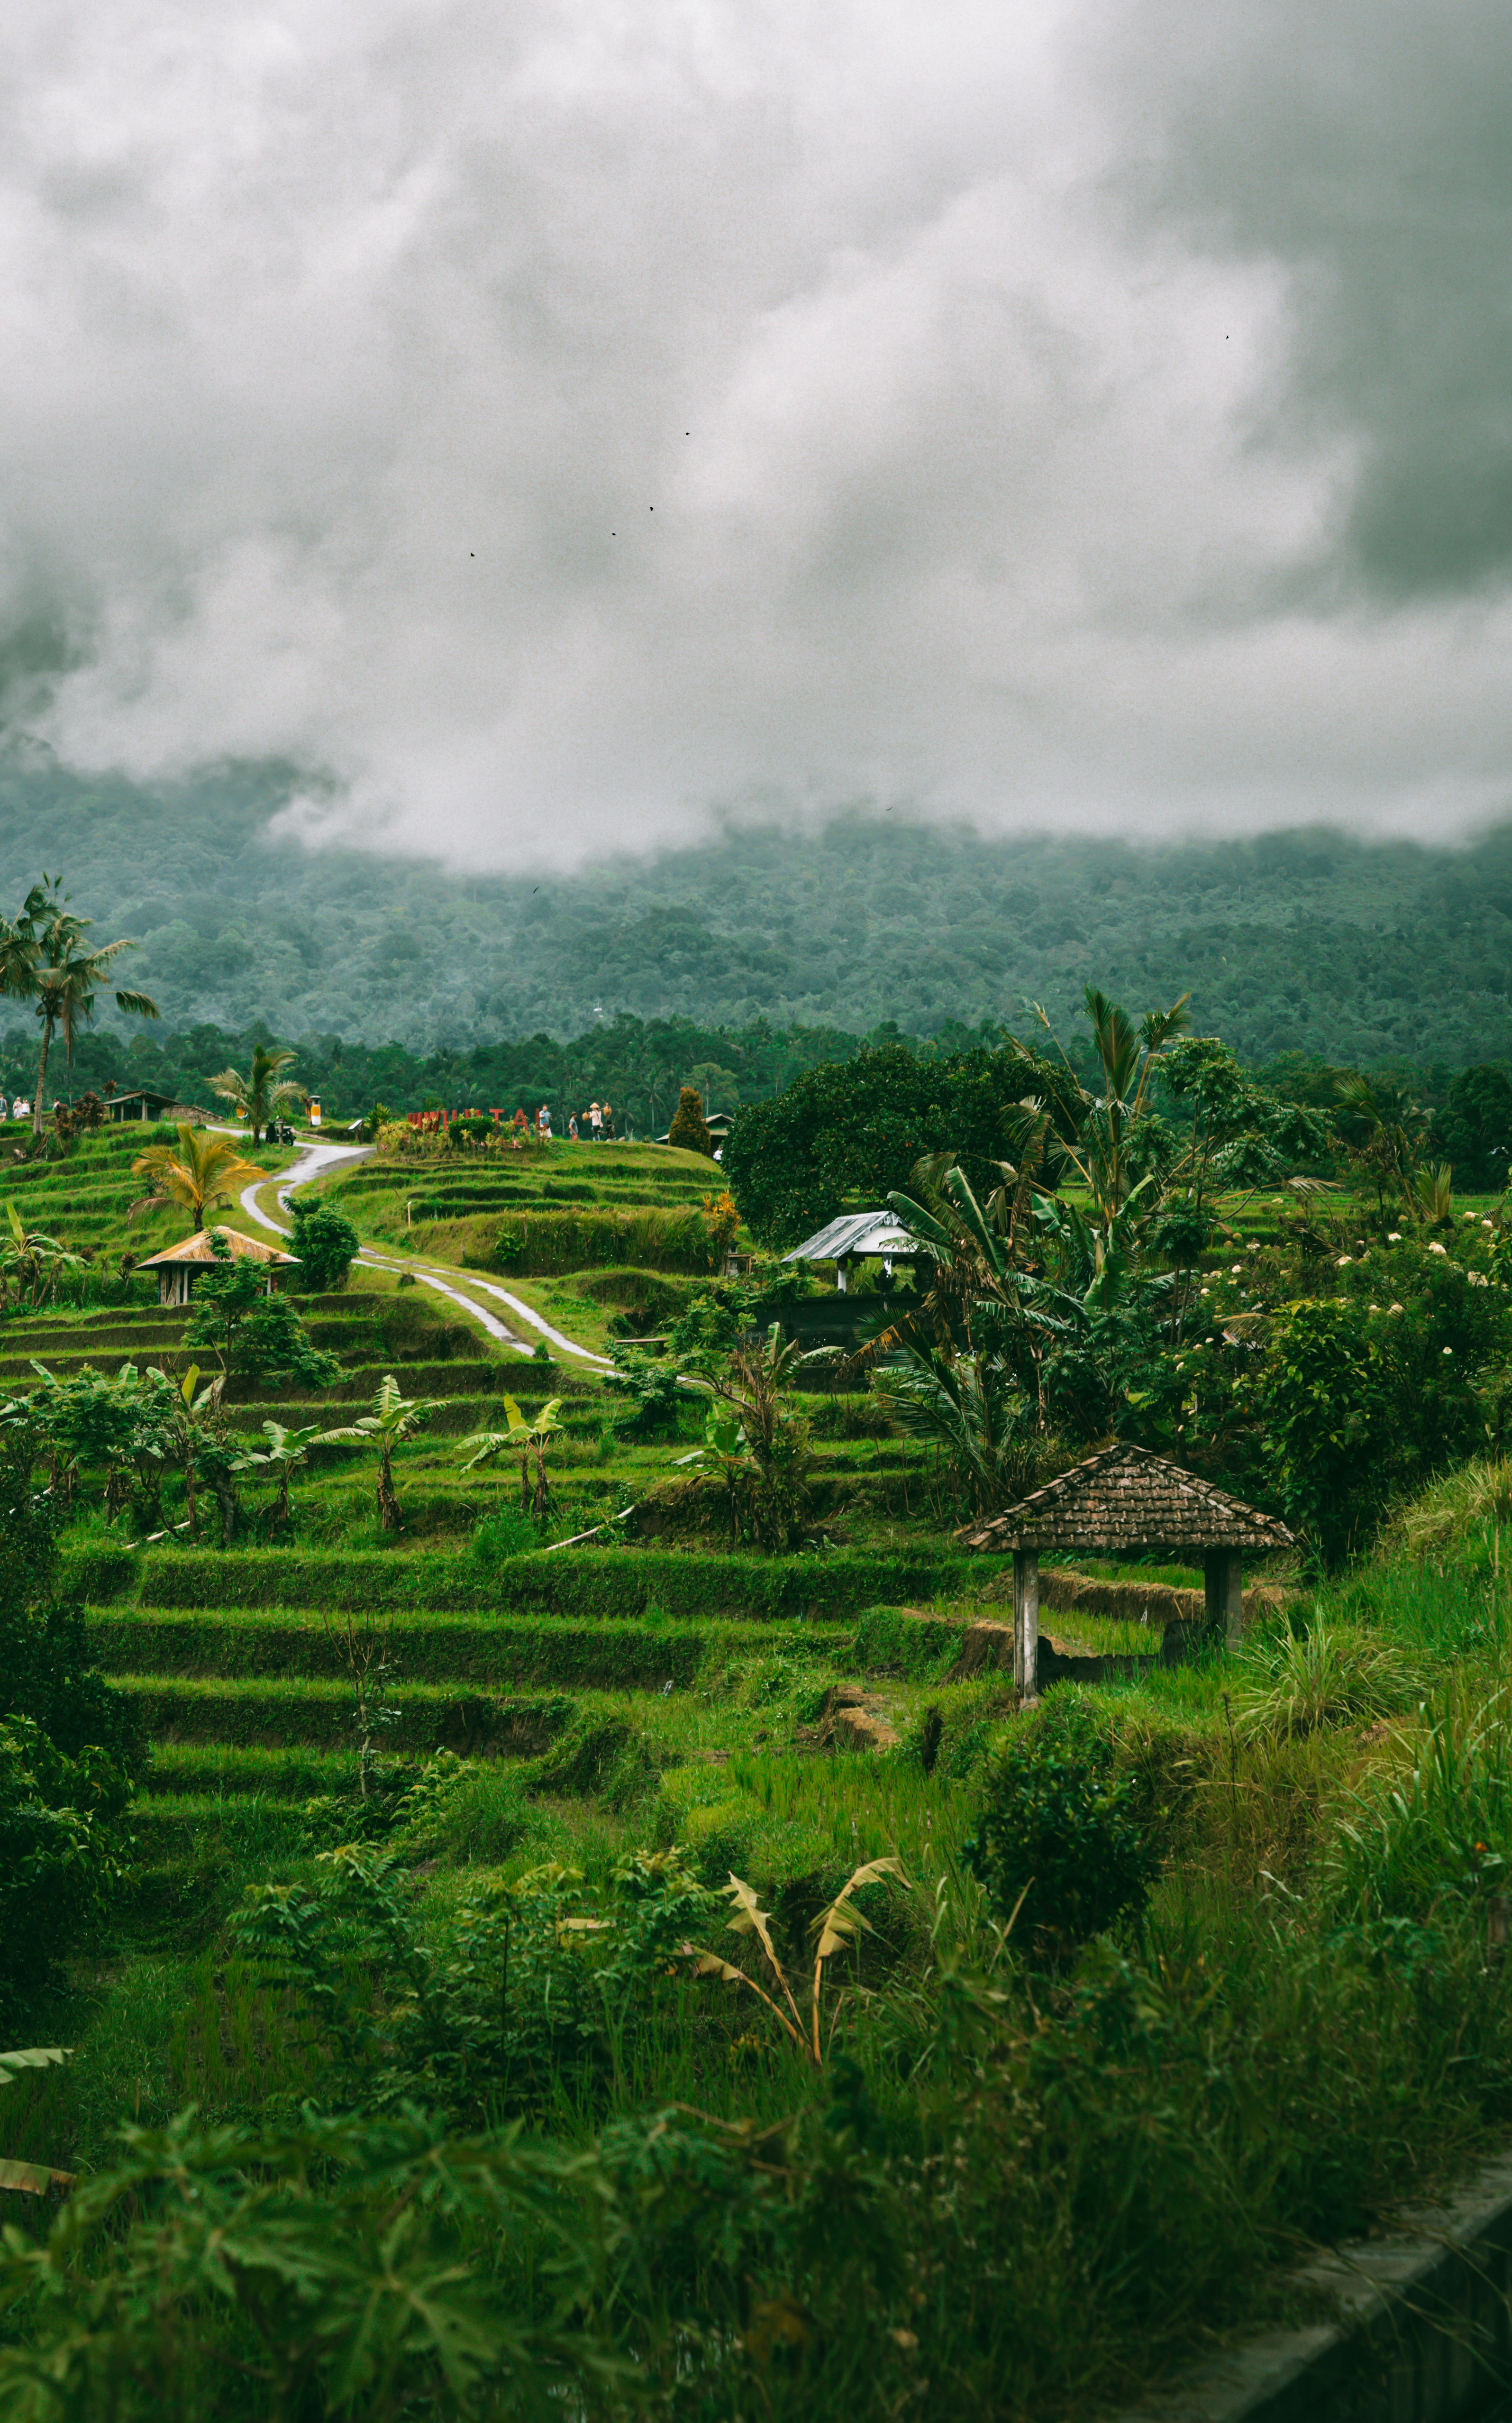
[[549, 428]]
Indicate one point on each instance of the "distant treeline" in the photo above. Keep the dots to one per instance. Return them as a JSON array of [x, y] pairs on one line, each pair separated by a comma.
[[639, 1065]]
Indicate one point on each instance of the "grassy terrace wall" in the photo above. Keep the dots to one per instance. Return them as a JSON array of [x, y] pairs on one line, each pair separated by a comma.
[[539, 1215], [490, 1651], [585, 1582]]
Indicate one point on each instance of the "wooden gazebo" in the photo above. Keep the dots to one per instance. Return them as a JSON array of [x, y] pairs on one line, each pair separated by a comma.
[[179, 1266], [1120, 1500]]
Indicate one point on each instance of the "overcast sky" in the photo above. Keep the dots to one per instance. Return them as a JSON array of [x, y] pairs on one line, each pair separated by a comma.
[[551, 426]]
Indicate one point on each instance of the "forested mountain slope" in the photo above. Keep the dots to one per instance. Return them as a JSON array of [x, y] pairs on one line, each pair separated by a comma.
[[1301, 940]]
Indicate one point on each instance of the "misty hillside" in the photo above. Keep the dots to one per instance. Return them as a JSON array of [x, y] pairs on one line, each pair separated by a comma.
[[1305, 940]]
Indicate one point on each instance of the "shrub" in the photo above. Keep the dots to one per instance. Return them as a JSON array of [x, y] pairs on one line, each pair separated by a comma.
[[538, 1243], [689, 1130], [327, 1245], [1061, 1831]]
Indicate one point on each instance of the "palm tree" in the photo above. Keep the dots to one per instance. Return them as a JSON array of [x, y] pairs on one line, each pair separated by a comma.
[[1387, 1143], [45, 958], [196, 1173], [1101, 1153], [263, 1092], [394, 1420]]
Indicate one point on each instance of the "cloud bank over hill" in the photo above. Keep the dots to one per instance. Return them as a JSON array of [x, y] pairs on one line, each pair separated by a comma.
[[552, 430]]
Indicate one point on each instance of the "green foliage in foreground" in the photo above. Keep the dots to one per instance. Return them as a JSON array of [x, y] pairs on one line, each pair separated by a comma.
[[69, 1749], [996, 2200]]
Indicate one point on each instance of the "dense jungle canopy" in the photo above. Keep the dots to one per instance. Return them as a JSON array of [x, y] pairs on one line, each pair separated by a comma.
[[1303, 942]]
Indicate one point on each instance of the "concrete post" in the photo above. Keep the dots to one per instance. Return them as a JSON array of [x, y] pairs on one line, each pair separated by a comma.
[[1223, 1570], [1026, 1621]]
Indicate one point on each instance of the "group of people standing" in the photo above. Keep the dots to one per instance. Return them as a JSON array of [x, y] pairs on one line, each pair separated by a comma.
[[597, 1124]]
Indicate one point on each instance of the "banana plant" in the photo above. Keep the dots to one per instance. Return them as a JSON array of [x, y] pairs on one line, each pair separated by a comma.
[[395, 1419], [841, 1924], [286, 1451], [31, 1262], [189, 1407], [530, 1439], [31, 2178]]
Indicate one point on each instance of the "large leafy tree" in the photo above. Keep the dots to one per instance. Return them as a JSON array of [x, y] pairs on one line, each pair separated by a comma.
[[850, 1132], [264, 1091], [194, 1175], [45, 958]]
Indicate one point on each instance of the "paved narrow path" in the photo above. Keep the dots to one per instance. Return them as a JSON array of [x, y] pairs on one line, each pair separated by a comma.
[[316, 1158]]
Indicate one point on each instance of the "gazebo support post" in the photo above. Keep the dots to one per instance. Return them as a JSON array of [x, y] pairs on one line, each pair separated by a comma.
[[1026, 1621], [1224, 1573]]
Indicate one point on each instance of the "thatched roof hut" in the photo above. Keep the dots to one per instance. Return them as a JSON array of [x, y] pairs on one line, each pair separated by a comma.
[[1120, 1501], [179, 1266]]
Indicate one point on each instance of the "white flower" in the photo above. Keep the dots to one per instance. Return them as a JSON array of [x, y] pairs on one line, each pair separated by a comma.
[[1206, 1291], [1344, 1260], [1394, 1238], [1235, 1268], [1374, 1307], [1436, 1248], [1487, 1224], [1255, 1244], [1448, 1350], [1394, 1308]]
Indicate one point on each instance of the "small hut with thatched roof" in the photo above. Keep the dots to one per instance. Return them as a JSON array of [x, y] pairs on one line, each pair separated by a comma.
[[1120, 1500], [179, 1266]]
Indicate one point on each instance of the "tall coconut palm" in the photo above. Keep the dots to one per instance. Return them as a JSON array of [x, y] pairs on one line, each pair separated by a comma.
[[264, 1091], [45, 958], [193, 1174], [1101, 1153]]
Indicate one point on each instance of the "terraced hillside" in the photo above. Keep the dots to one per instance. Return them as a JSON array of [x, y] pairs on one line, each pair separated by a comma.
[[82, 1201], [587, 1231], [493, 1645]]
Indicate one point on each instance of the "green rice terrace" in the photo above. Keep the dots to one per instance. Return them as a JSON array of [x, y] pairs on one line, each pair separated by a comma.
[[519, 1794]]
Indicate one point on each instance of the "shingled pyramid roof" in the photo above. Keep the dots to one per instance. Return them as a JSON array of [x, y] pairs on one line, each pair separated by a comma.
[[197, 1248], [1126, 1498]]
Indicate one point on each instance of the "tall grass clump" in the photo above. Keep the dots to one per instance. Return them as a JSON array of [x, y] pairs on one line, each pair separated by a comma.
[[1330, 1674], [1435, 1830]]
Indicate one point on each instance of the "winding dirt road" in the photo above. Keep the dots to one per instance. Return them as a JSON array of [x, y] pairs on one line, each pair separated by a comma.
[[314, 1160]]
